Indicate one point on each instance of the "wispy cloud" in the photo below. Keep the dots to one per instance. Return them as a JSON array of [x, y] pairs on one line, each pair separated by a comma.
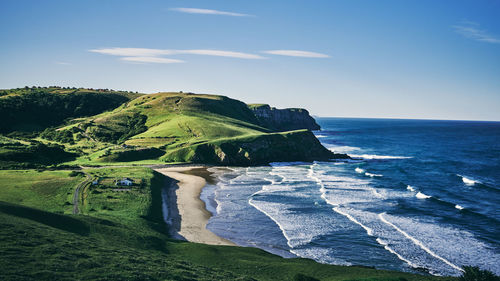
[[220, 53], [472, 30], [296, 53], [151, 60], [144, 52], [208, 12], [62, 63], [130, 52]]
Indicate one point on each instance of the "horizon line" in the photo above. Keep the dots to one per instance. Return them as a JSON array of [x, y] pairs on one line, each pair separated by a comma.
[[405, 118]]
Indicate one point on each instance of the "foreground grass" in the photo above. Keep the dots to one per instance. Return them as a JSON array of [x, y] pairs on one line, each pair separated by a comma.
[[120, 235], [48, 190]]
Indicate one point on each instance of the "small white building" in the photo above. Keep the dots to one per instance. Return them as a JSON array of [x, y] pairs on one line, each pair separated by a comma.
[[125, 181]]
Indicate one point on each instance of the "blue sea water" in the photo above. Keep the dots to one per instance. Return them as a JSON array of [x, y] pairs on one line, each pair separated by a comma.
[[422, 195]]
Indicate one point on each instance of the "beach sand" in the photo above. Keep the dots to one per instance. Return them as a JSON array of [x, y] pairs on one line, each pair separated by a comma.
[[188, 216]]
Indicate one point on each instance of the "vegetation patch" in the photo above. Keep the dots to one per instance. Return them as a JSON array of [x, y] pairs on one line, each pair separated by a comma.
[[33, 109]]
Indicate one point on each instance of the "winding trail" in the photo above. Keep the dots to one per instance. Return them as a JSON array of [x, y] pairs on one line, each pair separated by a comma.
[[77, 192]]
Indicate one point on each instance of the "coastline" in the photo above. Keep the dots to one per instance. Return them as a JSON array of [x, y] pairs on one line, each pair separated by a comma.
[[187, 213]]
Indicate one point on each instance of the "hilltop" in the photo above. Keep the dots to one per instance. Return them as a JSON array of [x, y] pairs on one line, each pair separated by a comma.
[[185, 128]]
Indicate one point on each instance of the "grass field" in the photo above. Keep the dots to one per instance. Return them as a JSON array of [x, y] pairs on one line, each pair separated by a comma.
[[46, 190], [120, 235]]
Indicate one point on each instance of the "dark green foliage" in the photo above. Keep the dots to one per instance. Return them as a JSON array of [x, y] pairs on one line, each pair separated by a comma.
[[132, 155], [379, 279], [474, 273], [131, 125], [37, 108], [36, 154], [302, 277], [75, 173], [136, 125], [63, 136]]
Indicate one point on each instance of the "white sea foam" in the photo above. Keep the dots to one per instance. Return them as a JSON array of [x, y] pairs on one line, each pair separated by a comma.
[[377, 157], [343, 148], [369, 231], [418, 243], [321, 136], [207, 195], [322, 255], [281, 164], [373, 175], [439, 249], [468, 181], [386, 246], [421, 195], [353, 200], [459, 207], [359, 170], [298, 228]]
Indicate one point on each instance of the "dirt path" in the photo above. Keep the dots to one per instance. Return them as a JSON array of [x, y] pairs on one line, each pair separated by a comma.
[[76, 195]]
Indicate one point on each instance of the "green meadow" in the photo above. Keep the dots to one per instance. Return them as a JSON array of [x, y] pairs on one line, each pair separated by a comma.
[[120, 235]]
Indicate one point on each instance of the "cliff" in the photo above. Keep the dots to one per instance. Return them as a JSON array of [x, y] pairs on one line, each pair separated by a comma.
[[299, 145], [281, 120]]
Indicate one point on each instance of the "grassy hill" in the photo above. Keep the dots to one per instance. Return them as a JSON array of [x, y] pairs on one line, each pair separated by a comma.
[[184, 127], [120, 235], [34, 109]]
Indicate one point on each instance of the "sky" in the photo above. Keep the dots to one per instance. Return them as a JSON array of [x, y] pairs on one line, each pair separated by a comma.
[[380, 59]]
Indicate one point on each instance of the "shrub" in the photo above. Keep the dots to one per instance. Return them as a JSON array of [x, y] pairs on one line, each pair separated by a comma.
[[474, 273]]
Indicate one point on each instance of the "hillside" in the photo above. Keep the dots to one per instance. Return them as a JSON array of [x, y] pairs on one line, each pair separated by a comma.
[[122, 236], [34, 109], [188, 128]]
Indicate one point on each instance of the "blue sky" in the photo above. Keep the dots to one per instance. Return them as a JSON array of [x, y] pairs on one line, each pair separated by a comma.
[[395, 59]]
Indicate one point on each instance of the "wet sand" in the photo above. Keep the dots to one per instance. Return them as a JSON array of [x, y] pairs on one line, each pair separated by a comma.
[[187, 214]]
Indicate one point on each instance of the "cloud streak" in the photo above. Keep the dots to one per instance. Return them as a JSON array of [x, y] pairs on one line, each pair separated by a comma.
[[163, 56], [151, 60], [208, 12], [144, 52], [296, 53], [471, 30]]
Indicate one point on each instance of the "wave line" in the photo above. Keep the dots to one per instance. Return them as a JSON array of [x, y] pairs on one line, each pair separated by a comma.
[[418, 243]]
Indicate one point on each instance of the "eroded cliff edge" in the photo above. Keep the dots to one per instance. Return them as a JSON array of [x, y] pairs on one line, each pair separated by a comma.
[[281, 120]]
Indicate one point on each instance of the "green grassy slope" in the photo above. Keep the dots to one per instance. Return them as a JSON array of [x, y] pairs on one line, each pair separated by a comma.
[[183, 127], [120, 235]]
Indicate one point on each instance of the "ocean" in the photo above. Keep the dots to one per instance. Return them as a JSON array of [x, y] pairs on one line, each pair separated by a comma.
[[420, 196]]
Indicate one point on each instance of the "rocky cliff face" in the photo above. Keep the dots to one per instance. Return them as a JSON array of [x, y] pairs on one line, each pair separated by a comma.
[[281, 120], [278, 147]]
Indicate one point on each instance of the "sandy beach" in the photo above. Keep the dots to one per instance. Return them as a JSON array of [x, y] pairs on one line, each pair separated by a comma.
[[187, 215]]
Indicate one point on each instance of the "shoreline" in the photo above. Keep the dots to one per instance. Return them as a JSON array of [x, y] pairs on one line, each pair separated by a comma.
[[187, 215]]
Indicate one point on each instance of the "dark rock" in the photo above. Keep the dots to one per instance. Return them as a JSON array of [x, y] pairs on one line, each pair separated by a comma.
[[281, 120]]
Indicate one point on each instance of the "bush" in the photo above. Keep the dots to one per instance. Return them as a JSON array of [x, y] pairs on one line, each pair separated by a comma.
[[75, 173], [474, 273]]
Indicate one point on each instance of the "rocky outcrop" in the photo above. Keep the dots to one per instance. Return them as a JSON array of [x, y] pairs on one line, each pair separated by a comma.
[[259, 150], [281, 120]]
